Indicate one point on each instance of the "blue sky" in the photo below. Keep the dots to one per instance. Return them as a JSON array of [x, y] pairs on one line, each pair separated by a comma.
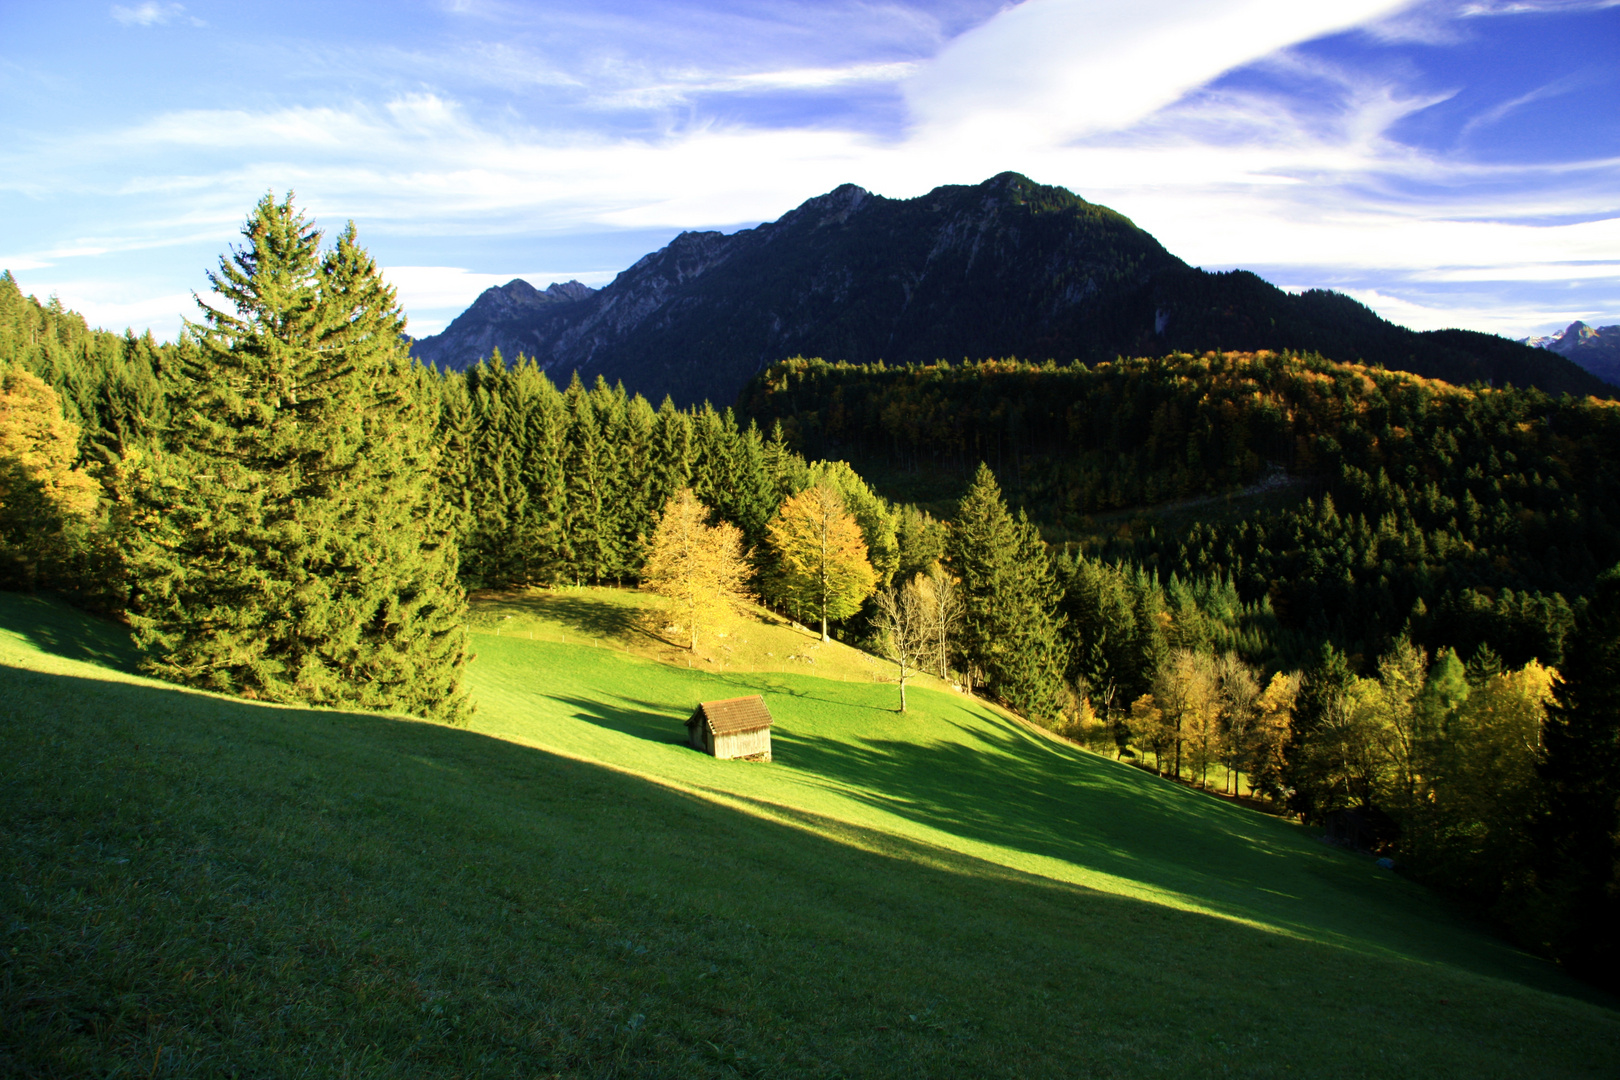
[[1450, 163]]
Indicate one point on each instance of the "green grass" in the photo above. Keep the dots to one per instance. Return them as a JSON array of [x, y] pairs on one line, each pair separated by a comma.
[[196, 886]]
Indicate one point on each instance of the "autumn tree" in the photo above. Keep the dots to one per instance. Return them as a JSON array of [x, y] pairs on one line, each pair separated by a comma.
[[1149, 730], [1269, 740], [1186, 691], [45, 500], [821, 555], [700, 567], [1240, 704], [944, 599], [878, 521], [904, 622]]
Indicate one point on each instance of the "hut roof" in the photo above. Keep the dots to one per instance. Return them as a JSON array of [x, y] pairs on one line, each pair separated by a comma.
[[733, 715]]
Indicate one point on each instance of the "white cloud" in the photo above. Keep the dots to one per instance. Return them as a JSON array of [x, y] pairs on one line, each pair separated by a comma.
[[149, 14], [1101, 96], [1053, 70], [1579, 271], [1508, 320], [116, 304]]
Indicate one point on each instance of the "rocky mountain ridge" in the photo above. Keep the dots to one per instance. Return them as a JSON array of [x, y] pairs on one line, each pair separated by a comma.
[[501, 318], [1594, 348], [1003, 268]]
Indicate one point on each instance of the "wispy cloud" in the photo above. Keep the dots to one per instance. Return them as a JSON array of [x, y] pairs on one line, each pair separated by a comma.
[[152, 14], [1215, 124]]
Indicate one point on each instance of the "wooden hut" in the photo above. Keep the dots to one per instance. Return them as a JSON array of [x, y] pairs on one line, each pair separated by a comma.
[[733, 728]]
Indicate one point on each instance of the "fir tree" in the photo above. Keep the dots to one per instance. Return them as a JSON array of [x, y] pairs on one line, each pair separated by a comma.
[[637, 511], [1578, 867], [590, 531], [1009, 626], [672, 452], [291, 543]]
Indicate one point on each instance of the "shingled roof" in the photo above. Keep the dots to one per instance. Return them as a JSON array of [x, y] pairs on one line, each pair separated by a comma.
[[733, 715]]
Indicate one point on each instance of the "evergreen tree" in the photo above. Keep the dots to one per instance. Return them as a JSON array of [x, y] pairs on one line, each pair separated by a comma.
[[754, 495], [1009, 627], [671, 453], [786, 470], [637, 510], [590, 529], [1576, 912], [1323, 706], [291, 543]]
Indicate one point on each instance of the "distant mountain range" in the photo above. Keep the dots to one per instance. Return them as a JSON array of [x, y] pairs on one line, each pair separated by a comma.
[[1594, 348], [1003, 268]]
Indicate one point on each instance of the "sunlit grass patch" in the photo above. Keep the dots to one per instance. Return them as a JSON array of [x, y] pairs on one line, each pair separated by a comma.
[[194, 886]]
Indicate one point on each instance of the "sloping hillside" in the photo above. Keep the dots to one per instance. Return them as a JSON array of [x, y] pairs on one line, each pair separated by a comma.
[[192, 885]]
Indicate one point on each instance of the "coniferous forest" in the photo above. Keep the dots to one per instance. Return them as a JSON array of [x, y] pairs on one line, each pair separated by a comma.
[[1397, 617]]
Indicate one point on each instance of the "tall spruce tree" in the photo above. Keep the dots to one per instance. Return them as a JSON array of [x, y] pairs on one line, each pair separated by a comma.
[[1009, 626], [290, 543], [1578, 871], [590, 527]]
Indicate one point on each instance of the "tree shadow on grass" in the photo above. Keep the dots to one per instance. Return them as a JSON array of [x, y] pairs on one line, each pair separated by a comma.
[[997, 786], [60, 631], [653, 721], [399, 817], [593, 617]]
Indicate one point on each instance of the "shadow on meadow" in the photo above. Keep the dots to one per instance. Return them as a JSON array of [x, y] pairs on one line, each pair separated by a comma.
[[650, 720], [1001, 786], [995, 783], [280, 886], [54, 628]]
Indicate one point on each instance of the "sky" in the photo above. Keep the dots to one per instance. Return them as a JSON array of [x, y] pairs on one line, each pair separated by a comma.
[[1446, 162]]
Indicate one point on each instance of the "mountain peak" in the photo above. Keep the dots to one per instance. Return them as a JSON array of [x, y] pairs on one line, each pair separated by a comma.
[[1004, 267]]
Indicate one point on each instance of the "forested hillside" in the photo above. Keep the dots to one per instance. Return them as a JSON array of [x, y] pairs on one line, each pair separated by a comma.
[[1459, 515]]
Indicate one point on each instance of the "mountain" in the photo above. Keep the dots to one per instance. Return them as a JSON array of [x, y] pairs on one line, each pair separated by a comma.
[[1594, 348], [1003, 268], [503, 317]]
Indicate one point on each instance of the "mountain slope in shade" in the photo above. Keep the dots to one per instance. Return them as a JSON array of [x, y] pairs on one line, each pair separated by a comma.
[[1003, 268], [1594, 348], [501, 318]]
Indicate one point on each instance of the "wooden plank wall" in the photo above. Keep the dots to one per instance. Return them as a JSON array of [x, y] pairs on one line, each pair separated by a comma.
[[744, 744]]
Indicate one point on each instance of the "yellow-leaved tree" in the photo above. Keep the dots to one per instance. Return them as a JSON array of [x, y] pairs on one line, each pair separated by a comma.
[[821, 561], [700, 567], [43, 498]]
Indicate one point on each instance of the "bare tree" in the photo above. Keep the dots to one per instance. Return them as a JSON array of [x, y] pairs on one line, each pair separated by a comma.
[[944, 600], [905, 624]]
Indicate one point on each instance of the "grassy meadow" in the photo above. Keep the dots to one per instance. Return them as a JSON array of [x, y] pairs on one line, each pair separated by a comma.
[[197, 886]]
